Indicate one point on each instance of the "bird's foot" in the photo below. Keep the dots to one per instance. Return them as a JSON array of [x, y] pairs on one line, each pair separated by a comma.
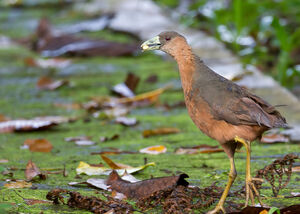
[[251, 191], [219, 208]]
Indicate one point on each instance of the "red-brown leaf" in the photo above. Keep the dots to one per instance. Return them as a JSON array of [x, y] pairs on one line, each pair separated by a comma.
[[38, 145]]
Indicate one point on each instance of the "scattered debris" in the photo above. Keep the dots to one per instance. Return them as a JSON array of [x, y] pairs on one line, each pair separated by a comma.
[[47, 83], [274, 138], [126, 121], [18, 184], [294, 209], [78, 138], [38, 145], [3, 161], [25, 125], [144, 188], [32, 171], [50, 45], [93, 204], [48, 63], [105, 139], [154, 150], [84, 143], [160, 131], [84, 168], [112, 151], [33, 201], [277, 173], [203, 148], [127, 88]]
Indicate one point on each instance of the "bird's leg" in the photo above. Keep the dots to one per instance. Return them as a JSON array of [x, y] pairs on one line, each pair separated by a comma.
[[231, 178], [250, 187]]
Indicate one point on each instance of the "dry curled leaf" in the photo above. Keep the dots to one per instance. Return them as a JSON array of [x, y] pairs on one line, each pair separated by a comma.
[[154, 150], [32, 171], [160, 131], [47, 83], [144, 188], [38, 145]]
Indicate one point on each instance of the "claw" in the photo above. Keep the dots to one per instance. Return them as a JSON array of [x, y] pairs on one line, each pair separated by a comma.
[[251, 191]]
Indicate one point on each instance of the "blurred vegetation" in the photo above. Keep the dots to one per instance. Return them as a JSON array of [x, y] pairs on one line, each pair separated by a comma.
[[263, 33]]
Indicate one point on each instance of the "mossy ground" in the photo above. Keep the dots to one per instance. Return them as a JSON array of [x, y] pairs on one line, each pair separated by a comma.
[[93, 77]]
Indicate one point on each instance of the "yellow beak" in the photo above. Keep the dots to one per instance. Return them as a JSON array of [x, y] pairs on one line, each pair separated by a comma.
[[151, 44]]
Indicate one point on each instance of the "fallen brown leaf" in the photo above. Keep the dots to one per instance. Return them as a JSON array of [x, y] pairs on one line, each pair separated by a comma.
[[159, 131], [105, 139], [32, 171], [47, 83], [145, 188], [38, 145], [18, 184], [294, 209], [274, 138], [3, 118]]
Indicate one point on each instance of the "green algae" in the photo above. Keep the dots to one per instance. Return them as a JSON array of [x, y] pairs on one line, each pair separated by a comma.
[[94, 77]]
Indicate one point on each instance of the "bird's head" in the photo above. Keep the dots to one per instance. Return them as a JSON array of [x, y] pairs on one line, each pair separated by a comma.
[[167, 41]]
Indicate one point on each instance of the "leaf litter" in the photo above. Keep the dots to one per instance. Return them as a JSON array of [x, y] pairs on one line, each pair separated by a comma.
[[85, 168], [33, 171], [38, 145], [47, 83], [51, 45]]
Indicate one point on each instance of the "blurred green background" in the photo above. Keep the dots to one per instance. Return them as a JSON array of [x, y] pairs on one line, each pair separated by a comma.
[[264, 33]]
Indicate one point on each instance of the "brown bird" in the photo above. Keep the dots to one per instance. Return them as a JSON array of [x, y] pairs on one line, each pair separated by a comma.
[[220, 108]]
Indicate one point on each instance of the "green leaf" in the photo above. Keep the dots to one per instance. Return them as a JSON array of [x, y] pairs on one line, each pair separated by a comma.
[[273, 210]]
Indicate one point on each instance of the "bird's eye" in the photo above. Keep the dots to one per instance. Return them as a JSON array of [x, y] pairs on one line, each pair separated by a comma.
[[168, 38]]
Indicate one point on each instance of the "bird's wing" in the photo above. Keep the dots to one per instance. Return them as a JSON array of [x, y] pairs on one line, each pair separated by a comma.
[[245, 108]]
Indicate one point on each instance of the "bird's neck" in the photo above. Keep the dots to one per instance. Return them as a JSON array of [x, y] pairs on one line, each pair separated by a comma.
[[186, 61]]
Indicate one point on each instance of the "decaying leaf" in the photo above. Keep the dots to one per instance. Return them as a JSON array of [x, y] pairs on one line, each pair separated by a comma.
[[18, 184], [84, 168], [111, 113], [154, 150], [102, 183], [48, 63], [203, 148], [145, 188], [78, 138], [274, 138], [126, 121], [127, 88], [50, 45], [32, 171], [25, 125], [47, 83], [160, 131], [278, 173], [3, 161], [105, 139], [38, 145], [93, 204], [84, 143]]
